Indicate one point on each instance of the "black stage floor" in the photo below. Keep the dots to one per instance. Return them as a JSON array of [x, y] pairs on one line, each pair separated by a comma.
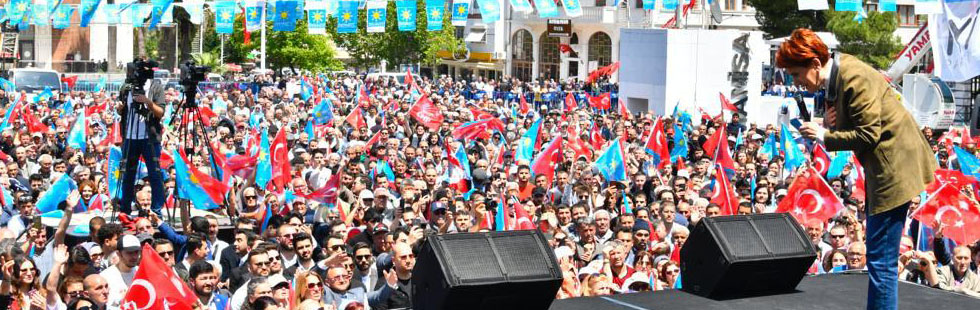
[[841, 291]]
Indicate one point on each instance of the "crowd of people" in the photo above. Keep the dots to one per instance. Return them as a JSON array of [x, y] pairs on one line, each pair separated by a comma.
[[293, 248]]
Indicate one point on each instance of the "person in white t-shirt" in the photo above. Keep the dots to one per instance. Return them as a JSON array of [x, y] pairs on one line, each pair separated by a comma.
[[120, 275]]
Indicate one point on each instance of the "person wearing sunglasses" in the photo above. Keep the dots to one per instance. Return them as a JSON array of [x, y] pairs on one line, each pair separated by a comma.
[[257, 265], [24, 286], [309, 288]]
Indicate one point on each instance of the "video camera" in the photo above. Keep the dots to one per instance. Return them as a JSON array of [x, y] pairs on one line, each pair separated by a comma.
[[138, 72], [190, 75]]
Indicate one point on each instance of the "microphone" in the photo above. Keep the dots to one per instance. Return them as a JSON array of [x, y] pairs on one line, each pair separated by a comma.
[[804, 113]]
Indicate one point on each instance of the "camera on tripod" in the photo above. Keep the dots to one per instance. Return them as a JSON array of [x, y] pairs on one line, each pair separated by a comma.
[[190, 75], [138, 72]]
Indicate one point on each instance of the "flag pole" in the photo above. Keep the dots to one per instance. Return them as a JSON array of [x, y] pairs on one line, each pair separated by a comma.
[[262, 40]]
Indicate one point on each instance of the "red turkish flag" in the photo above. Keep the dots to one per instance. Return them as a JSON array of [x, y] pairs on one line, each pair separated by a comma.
[[480, 114], [821, 161], [523, 220], [547, 160], [98, 108], [724, 194], [954, 178], [157, 287], [34, 124], [595, 137], [959, 216], [115, 137], [727, 105], [600, 102], [525, 107], [713, 141], [858, 192], [577, 145], [356, 119], [723, 156], [570, 103], [281, 169], [70, 81], [625, 112], [810, 197], [657, 144], [426, 113]]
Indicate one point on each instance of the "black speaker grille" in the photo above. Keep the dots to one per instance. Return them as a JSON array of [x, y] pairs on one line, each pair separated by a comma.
[[472, 260], [522, 262], [781, 236], [743, 240]]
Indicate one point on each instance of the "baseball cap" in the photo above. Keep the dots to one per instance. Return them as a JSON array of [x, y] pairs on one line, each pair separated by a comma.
[[276, 279], [366, 194], [379, 227], [128, 243]]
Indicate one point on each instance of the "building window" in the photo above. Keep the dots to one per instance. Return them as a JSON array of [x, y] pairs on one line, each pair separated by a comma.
[[731, 5], [600, 49], [549, 65], [639, 3], [600, 2], [523, 55], [870, 7], [906, 15]]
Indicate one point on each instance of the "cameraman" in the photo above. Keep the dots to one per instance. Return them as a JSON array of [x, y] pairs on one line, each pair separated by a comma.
[[142, 131]]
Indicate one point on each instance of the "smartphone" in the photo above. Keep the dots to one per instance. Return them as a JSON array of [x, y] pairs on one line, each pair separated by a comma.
[[796, 123], [37, 222]]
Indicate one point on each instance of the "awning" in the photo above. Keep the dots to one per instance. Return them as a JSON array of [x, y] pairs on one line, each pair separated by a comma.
[[476, 35]]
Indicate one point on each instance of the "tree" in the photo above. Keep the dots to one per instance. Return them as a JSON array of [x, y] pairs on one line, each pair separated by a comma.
[[872, 40], [299, 49], [778, 18], [394, 46]]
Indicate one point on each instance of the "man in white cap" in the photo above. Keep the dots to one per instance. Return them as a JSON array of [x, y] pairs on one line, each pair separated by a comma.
[[120, 276]]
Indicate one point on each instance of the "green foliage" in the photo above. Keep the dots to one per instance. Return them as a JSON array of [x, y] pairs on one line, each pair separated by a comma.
[[393, 46], [286, 49], [210, 60], [778, 18], [873, 40]]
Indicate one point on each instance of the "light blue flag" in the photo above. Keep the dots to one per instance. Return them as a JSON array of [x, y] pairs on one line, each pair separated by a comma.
[[110, 12], [377, 15], [88, 9], [669, 4], [838, 163], [461, 9], [525, 147], [253, 17], [7, 85], [189, 187], [76, 138], [45, 95], [627, 208], [546, 8], [6, 117], [679, 152], [611, 163], [573, 8], [649, 5], [969, 164], [435, 12], [25, 19], [306, 90], [490, 10], [159, 8], [887, 5], [310, 134], [407, 14], [136, 16], [769, 147], [55, 194], [791, 150], [263, 169], [62, 17], [17, 8], [285, 16], [270, 10], [522, 6], [101, 85], [347, 16], [316, 20], [41, 14], [224, 12], [115, 172], [848, 5], [195, 12], [499, 218]]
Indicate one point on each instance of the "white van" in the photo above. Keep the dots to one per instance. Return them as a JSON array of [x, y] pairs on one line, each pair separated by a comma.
[[400, 76], [33, 81]]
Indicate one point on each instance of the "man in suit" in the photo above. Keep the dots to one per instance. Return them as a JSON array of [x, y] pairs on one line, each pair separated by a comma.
[[864, 115]]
